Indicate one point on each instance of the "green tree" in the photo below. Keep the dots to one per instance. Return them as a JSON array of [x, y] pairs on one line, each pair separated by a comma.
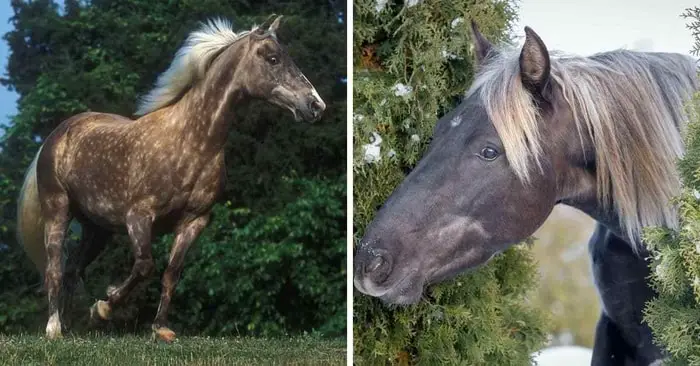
[[101, 55], [674, 316], [412, 64]]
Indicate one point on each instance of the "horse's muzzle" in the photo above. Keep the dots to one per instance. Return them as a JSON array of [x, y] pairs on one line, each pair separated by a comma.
[[314, 108]]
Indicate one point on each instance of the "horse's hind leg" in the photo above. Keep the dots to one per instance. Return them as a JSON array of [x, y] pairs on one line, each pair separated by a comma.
[[186, 234], [139, 225], [56, 220]]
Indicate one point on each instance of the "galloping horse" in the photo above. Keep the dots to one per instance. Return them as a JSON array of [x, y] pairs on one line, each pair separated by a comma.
[[599, 133], [159, 173]]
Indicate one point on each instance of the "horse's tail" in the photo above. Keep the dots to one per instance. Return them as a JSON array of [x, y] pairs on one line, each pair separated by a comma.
[[30, 222]]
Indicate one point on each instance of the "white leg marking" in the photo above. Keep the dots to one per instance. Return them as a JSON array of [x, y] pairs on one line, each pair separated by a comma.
[[53, 327]]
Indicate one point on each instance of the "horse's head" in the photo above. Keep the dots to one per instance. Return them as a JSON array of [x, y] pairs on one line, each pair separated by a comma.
[[467, 199], [272, 75]]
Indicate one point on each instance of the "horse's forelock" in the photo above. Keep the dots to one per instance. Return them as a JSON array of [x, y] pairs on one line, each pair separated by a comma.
[[630, 103]]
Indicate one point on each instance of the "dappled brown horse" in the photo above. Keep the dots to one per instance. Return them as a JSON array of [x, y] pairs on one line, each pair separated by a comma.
[[159, 173]]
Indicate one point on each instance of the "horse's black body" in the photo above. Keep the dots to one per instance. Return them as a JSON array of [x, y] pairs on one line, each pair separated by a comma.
[[621, 275]]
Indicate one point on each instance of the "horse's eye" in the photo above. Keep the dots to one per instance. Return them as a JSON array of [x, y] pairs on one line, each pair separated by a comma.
[[273, 60], [488, 153]]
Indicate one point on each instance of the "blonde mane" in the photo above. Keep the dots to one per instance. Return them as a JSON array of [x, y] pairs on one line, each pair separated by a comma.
[[631, 105], [190, 63]]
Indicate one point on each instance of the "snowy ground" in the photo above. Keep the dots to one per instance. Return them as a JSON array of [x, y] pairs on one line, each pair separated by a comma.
[[565, 355]]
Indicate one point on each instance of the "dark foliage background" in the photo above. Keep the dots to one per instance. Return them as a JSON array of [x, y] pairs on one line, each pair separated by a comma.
[[273, 259]]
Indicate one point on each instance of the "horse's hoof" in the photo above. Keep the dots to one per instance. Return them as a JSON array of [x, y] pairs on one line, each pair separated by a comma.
[[101, 310], [51, 335], [53, 328], [163, 334], [111, 290]]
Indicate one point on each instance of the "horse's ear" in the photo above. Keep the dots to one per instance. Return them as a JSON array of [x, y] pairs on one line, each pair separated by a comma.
[[534, 62], [482, 47], [262, 28], [275, 25]]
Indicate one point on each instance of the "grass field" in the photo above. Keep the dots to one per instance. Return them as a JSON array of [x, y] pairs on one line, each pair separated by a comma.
[[140, 350]]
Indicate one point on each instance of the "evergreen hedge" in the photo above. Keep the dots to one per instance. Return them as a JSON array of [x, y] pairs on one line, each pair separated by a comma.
[[413, 63], [674, 316]]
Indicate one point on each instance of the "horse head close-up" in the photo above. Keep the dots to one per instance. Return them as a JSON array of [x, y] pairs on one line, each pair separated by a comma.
[[247, 64], [160, 173], [535, 129]]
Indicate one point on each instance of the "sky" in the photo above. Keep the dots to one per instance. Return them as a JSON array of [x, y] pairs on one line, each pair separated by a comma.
[[590, 26], [7, 99]]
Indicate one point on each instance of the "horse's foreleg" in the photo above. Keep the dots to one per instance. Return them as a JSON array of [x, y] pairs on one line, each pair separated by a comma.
[[57, 217], [185, 235], [609, 348], [621, 278], [139, 226], [92, 242]]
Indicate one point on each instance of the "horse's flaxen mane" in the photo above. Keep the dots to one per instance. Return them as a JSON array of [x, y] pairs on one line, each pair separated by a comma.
[[630, 104], [190, 63]]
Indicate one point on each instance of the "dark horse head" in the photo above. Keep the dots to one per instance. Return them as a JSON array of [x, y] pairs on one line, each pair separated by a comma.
[[463, 202], [272, 75], [515, 147]]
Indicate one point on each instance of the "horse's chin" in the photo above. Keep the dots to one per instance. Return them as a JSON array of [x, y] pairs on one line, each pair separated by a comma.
[[305, 115], [456, 269], [403, 299], [407, 291]]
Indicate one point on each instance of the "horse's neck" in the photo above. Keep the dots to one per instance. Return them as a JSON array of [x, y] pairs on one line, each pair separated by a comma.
[[578, 190], [204, 115], [607, 217]]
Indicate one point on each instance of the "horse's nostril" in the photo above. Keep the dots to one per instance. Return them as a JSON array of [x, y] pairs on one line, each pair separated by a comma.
[[378, 268], [375, 264], [315, 107]]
